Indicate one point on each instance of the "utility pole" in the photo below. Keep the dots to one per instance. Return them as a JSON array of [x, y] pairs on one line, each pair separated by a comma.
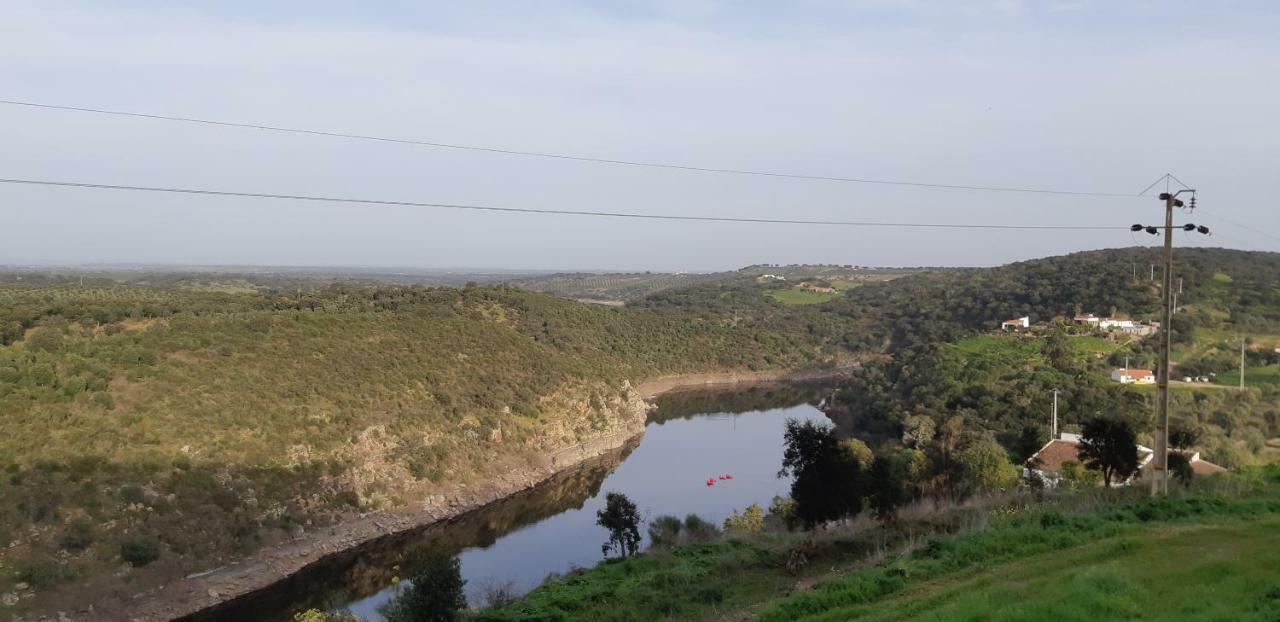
[[1160, 461], [1153, 272], [1179, 285], [1055, 415], [1242, 364]]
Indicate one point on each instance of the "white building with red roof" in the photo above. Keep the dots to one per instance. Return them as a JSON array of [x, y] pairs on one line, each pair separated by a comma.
[[1047, 463], [1133, 376], [1016, 323]]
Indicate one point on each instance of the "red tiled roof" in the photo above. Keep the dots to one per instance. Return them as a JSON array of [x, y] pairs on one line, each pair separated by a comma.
[[1055, 453], [1135, 373]]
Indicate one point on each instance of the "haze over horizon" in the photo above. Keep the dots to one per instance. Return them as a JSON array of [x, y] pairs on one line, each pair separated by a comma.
[[1072, 95]]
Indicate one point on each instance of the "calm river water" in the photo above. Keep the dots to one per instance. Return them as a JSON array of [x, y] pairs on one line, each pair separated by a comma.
[[518, 542]]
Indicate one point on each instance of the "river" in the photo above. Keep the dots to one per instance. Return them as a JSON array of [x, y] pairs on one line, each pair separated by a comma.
[[516, 543]]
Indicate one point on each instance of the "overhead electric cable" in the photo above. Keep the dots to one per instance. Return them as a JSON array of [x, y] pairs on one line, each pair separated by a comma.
[[1170, 176], [566, 212], [576, 158]]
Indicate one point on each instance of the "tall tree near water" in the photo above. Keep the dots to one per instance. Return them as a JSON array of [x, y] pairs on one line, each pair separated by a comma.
[[622, 520], [827, 480], [436, 594]]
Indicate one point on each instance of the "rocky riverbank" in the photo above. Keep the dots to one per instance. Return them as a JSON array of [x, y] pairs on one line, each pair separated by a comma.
[[201, 596]]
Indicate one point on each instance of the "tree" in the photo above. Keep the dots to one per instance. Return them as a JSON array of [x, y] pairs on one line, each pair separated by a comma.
[[750, 520], [1180, 467], [622, 520], [436, 593], [1056, 348], [889, 483], [1110, 445], [1183, 435], [985, 466], [917, 430], [946, 472], [827, 477]]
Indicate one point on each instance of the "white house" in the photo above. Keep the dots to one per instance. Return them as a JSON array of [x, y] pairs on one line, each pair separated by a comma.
[[1111, 322], [1133, 376], [1016, 323], [1047, 463], [1104, 323]]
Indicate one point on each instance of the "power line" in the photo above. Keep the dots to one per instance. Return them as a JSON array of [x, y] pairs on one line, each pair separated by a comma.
[[1170, 176], [490, 208], [575, 158], [1240, 225]]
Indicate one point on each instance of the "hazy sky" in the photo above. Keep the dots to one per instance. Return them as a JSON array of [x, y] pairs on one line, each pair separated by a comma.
[[1098, 96]]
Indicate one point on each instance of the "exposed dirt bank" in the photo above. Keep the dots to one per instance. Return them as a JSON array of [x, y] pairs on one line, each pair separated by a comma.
[[657, 386], [205, 591]]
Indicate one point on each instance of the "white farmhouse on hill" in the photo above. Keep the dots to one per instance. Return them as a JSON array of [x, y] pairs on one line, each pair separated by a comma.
[[1016, 323], [1104, 323], [1113, 322], [1133, 376]]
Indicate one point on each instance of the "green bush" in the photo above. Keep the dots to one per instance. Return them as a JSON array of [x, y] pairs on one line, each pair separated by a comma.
[[77, 536], [139, 551], [42, 573]]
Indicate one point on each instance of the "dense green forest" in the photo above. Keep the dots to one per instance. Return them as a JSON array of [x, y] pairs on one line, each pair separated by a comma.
[[943, 306]]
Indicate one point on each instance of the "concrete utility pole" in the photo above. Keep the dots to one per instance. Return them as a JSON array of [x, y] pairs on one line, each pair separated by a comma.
[[1160, 461], [1242, 364], [1160, 472], [1055, 415]]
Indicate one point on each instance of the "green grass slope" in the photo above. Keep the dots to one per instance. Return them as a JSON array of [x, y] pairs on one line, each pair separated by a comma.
[[1205, 554]]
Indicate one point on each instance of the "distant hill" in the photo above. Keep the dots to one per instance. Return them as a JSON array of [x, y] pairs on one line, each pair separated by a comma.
[[636, 286], [1239, 289]]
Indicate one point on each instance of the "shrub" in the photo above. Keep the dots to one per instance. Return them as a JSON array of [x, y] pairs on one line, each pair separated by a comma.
[[132, 494], [698, 530], [78, 535], [139, 551], [750, 520], [664, 532], [42, 573]]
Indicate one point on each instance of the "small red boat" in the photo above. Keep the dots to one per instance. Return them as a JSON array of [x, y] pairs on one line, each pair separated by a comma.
[[711, 481], [727, 476]]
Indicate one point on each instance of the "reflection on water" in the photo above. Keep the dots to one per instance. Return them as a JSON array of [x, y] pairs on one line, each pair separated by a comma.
[[692, 435]]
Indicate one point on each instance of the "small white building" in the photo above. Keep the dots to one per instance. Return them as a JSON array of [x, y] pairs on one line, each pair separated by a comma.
[[1104, 323], [1133, 376], [1016, 323]]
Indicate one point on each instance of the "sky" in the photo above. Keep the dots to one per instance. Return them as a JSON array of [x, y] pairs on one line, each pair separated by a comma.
[[1094, 96]]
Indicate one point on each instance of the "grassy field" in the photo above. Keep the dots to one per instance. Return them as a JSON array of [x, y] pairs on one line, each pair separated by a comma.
[[1227, 571], [801, 296], [1015, 351], [1208, 555]]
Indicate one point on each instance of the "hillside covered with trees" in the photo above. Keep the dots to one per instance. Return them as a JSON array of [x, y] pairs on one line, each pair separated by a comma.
[[172, 424]]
